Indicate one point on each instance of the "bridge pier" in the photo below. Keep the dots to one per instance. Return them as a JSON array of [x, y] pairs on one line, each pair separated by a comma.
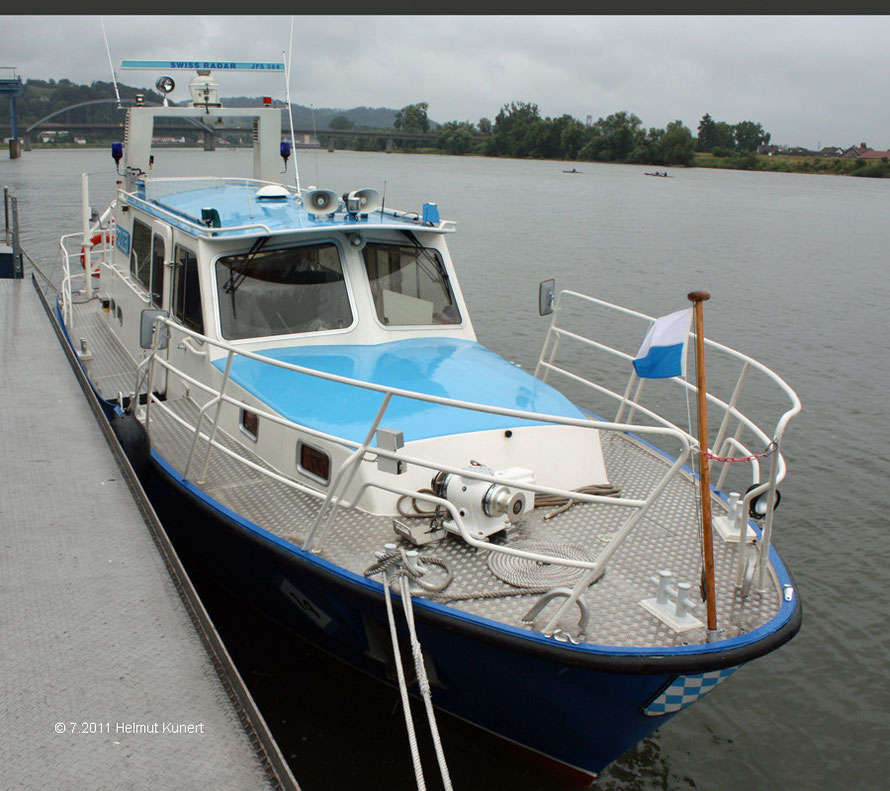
[[26, 143], [209, 141], [388, 145], [11, 86]]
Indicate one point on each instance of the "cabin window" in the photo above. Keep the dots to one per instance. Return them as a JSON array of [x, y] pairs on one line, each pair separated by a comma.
[[279, 292], [250, 423], [187, 290], [158, 254], [409, 285], [140, 253], [314, 463]]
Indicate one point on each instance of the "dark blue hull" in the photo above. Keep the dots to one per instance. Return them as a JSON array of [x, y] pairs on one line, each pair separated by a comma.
[[577, 706]]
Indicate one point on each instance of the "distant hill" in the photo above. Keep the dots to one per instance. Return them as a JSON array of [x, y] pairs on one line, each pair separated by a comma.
[[373, 117]]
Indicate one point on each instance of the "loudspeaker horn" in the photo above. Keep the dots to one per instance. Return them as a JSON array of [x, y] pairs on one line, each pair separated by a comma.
[[319, 202], [368, 200]]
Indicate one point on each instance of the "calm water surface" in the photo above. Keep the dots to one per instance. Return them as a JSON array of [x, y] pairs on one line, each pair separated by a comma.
[[797, 269]]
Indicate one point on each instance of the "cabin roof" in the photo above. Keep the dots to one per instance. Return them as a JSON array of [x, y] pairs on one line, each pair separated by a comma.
[[446, 367], [242, 212]]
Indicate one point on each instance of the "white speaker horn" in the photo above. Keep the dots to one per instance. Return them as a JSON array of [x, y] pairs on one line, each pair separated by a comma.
[[368, 199], [319, 202]]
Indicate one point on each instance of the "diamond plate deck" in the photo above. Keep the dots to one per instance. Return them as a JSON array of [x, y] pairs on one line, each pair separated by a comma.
[[96, 645], [667, 537]]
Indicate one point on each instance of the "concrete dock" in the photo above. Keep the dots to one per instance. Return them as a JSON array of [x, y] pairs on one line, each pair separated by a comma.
[[112, 675]]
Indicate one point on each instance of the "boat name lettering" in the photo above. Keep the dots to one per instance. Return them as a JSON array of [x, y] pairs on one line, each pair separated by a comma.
[[224, 65], [122, 241]]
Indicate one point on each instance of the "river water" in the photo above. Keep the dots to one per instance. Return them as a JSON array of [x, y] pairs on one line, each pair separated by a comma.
[[797, 269]]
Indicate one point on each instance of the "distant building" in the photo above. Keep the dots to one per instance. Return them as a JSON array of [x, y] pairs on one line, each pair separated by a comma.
[[798, 151], [854, 152], [830, 151], [767, 150]]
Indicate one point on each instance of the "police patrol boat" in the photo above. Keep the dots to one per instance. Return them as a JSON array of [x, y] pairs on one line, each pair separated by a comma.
[[299, 368]]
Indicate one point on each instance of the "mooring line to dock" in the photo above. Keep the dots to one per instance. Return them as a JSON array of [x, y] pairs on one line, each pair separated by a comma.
[[422, 679]]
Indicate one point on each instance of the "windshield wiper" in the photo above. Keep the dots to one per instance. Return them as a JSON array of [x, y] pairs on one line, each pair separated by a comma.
[[239, 269], [437, 264]]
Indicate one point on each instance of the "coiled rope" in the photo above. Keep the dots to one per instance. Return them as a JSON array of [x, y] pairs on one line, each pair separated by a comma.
[[562, 504]]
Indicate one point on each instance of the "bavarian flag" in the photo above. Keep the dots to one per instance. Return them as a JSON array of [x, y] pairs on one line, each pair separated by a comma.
[[663, 353]]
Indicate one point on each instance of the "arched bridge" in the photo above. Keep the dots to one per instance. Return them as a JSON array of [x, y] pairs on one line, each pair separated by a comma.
[[324, 136]]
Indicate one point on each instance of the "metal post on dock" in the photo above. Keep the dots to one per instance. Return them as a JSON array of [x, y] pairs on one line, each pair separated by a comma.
[[11, 256], [17, 265], [6, 215]]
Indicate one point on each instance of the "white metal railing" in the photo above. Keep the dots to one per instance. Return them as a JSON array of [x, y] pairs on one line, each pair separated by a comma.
[[341, 479], [727, 439]]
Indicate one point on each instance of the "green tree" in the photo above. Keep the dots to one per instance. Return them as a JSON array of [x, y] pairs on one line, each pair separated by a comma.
[[457, 137], [724, 135], [484, 126], [678, 147], [612, 139], [750, 135], [706, 133], [341, 122], [511, 136], [412, 118], [648, 149]]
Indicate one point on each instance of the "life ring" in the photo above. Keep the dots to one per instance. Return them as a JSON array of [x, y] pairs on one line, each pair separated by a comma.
[[95, 239]]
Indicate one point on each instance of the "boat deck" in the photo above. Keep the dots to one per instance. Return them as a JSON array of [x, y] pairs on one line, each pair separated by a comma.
[[106, 683], [667, 538]]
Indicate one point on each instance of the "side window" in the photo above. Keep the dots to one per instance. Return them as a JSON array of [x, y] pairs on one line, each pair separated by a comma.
[[158, 254], [140, 254], [186, 290], [409, 285]]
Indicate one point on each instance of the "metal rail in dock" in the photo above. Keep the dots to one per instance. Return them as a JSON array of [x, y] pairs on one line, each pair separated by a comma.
[[113, 675]]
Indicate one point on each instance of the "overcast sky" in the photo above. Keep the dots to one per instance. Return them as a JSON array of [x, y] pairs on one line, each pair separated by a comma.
[[808, 80]]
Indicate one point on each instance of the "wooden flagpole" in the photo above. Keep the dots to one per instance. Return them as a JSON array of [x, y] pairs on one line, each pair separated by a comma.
[[697, 297]]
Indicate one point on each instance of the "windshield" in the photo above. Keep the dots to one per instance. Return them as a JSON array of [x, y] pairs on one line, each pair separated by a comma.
[[279, 292], [409, 285]]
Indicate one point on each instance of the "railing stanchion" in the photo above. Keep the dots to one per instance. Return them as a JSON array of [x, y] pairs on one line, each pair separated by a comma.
[[222, 391], [351, 464]]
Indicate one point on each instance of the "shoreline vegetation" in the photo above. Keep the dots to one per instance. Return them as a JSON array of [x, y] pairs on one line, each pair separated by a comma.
[[518, 131], [834, 166]]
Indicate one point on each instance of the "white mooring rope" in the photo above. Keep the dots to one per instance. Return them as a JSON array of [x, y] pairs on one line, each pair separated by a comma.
[[422, 680]]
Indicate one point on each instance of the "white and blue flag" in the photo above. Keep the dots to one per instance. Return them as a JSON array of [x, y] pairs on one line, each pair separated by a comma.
[[663, 353]]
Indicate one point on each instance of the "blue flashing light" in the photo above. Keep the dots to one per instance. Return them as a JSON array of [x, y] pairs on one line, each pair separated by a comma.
[[285, 150], [430, 213], [117, 151]]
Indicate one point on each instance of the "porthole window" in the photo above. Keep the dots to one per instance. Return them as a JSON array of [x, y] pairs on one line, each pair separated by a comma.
[[313, 463], [250, 424]]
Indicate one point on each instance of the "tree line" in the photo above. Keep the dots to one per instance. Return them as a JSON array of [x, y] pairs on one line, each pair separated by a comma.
[[519, 131]]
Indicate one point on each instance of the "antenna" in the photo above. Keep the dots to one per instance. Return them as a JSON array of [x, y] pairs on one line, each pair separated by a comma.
[[110, 64], [315, 130], [290, 117]]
